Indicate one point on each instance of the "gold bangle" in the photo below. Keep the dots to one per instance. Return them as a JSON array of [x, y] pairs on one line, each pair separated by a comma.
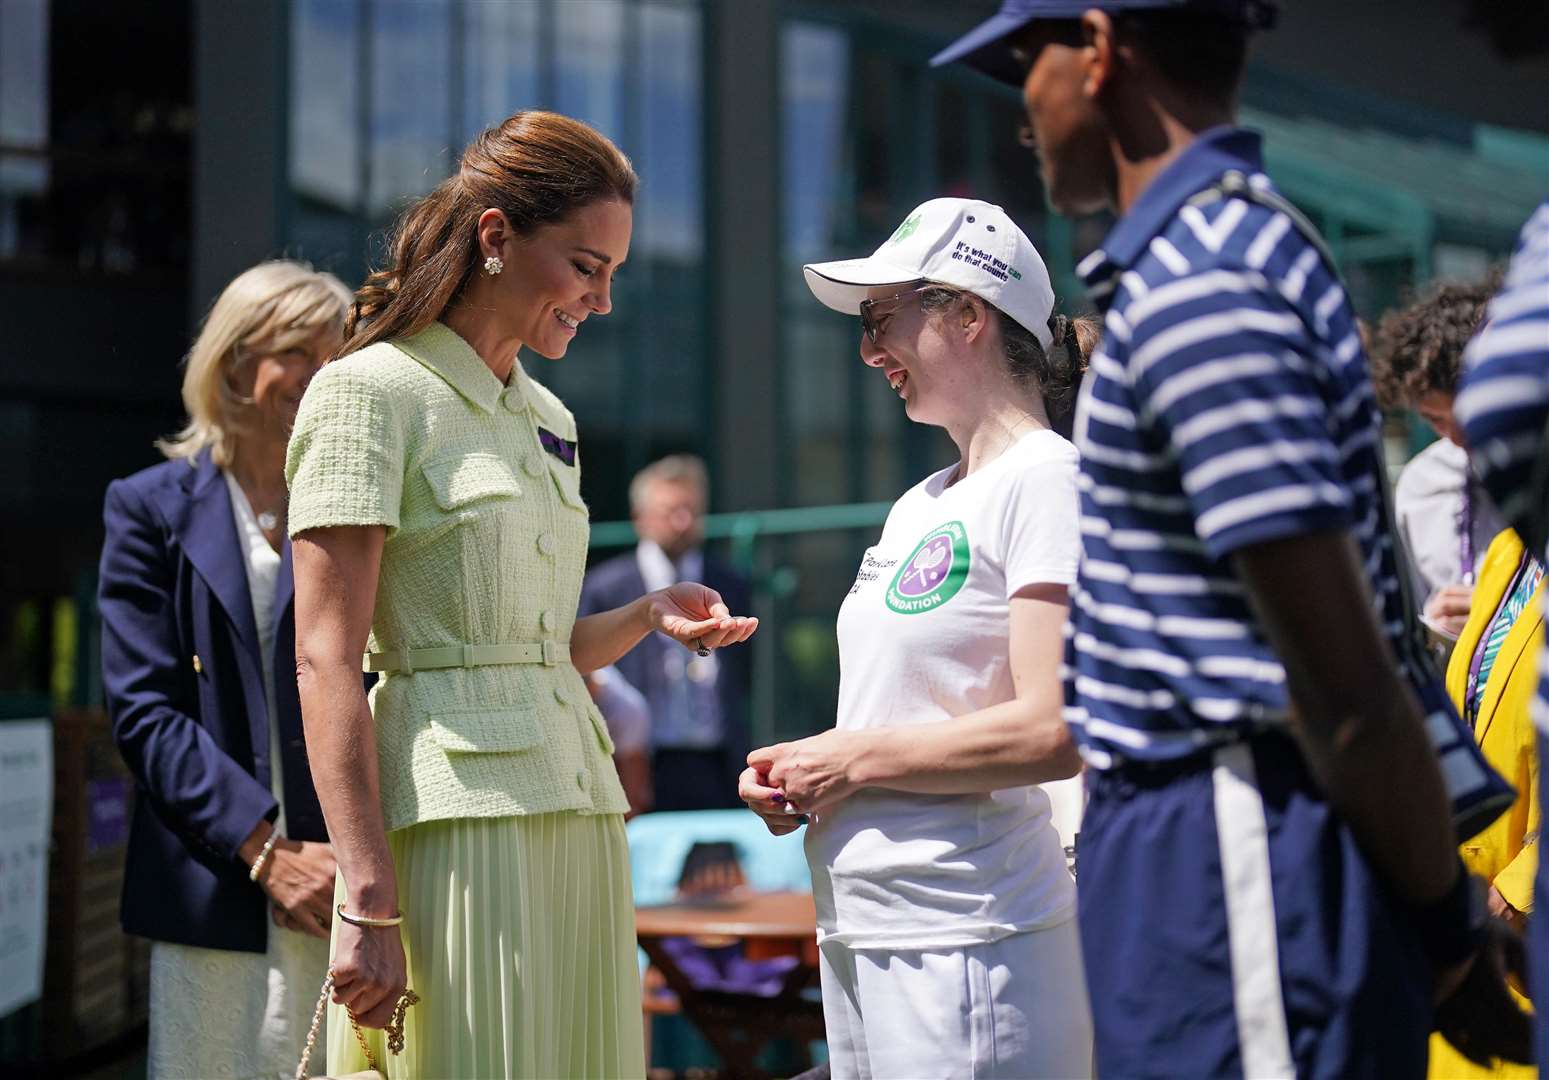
[[361, 920]]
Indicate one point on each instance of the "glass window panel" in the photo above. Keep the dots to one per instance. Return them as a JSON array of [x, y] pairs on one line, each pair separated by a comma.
[[663, 290], [814, 98], [956, 140], [411, 119], [636, 379], [817, 213], [23, 115], [589, 62], [24, 73], [820, 346], [669, 212], [500, 61], [325, 101]]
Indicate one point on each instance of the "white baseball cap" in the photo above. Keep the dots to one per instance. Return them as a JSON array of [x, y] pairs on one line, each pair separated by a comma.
[[965, 243]]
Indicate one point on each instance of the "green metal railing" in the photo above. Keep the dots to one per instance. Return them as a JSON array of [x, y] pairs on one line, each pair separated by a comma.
[[748, 533], [744, 528]]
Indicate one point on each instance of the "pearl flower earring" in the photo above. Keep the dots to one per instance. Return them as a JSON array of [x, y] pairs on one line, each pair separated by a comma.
[[493, 265]]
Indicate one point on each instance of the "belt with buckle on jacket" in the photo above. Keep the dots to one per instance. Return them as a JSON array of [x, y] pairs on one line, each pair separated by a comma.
[[408, 661]]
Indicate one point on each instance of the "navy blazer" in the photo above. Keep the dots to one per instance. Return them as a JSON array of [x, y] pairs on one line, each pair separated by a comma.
[[617, 582], [183, 677]]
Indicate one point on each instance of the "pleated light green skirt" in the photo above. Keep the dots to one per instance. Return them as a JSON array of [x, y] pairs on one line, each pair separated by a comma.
[[520, 939]]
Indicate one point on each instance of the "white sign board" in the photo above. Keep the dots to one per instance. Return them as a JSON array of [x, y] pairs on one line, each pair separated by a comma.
[[26, 813]]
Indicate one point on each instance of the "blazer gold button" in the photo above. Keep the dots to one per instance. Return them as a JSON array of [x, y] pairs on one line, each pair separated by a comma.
[[547, 621], [546, 543], [583, 779], [198, 665], [560, 695]]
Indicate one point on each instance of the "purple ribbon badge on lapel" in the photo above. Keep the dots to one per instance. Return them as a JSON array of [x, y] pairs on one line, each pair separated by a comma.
[[563, 449]]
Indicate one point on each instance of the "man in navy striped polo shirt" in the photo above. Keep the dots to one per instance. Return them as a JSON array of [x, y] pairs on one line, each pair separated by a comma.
[[1266, 889]]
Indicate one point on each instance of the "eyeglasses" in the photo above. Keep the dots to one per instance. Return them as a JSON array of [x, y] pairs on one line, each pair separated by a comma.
[[871, 318]]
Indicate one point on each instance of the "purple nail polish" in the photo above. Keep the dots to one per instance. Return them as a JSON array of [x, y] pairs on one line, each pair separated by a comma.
[[777, 798]]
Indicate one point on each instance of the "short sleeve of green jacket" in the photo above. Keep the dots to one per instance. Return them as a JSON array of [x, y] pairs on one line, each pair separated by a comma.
[[345, 463]]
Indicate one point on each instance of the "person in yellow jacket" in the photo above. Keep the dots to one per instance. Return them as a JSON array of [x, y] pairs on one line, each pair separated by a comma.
[[1492, 677]]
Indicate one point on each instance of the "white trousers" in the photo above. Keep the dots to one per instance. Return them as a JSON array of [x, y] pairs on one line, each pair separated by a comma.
[[1016, 1007]]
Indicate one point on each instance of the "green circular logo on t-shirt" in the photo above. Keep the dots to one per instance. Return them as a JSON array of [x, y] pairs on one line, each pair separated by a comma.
[[933, 574]]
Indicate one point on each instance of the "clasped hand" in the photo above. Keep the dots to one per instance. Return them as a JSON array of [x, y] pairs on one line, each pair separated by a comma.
[[695, 616], [1475, 1011], [807, 776], [299, 880]]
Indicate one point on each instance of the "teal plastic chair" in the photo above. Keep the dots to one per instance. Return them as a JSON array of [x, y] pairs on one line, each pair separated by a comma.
[[658, 844]]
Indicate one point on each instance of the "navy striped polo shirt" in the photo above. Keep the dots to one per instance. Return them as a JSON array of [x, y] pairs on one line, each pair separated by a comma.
[[1228, 405]]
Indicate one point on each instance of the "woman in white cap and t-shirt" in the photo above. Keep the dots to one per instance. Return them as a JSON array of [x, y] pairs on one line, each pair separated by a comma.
[[945, 910]]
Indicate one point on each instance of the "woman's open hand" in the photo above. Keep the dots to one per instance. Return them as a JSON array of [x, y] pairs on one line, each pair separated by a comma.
[[695, 616]]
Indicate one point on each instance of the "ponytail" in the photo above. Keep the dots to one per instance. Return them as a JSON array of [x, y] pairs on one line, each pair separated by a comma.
[[431, 260], [1054, 372], [536, 167]]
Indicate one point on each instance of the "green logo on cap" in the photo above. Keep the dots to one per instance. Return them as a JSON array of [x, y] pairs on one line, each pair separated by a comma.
[[905, 230]]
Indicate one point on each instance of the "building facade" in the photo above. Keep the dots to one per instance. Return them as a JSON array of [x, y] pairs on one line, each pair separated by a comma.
[[134, 182]]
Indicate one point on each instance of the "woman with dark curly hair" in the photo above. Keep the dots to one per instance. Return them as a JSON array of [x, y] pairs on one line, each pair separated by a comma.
[[1444, 517]]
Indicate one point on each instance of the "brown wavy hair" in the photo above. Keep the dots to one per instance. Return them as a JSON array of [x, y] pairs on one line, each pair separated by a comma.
[[537, 167], [1418, 349]]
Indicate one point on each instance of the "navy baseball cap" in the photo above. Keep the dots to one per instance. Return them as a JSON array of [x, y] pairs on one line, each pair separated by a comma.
[[984, 47]]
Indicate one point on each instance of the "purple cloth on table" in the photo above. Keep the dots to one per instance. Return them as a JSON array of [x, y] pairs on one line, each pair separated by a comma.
[[724, 967]]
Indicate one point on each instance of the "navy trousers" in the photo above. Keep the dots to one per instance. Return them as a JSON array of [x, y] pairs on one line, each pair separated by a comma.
[[1231, 927]]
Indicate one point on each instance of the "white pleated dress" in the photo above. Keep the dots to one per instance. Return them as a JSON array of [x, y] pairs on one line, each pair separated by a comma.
[[220, 1012]]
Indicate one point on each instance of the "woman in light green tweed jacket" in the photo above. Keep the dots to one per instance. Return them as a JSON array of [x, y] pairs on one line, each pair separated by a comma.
[[439, 529]]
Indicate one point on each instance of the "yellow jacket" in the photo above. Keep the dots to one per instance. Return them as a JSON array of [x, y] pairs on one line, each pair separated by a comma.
[[1505, 854]]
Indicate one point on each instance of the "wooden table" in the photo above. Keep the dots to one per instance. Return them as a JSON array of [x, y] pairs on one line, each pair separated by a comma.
[[738, 1026]]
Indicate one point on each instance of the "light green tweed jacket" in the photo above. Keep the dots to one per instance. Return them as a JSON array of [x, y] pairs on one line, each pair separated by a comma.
[[486, 545]]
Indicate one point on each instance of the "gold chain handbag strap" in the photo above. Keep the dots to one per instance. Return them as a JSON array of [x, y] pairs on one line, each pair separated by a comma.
[[394, 1029], [317, 1022]]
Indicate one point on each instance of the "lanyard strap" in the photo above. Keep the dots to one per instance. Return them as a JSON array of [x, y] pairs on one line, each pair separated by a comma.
[[1466, 532]]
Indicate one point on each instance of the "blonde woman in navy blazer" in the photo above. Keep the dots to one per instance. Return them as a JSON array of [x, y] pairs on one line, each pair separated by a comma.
[[197, 646]]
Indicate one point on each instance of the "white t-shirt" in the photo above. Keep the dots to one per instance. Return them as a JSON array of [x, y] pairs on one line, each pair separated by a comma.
[[1428, 505], [924, 635]]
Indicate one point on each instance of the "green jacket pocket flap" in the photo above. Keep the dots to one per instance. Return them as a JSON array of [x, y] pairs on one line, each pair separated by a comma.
[[459, 479], [600, 726], [486, 731]]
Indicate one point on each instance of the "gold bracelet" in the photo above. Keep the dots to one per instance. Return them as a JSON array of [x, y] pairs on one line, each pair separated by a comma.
[[361, 920], [263, 856]]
